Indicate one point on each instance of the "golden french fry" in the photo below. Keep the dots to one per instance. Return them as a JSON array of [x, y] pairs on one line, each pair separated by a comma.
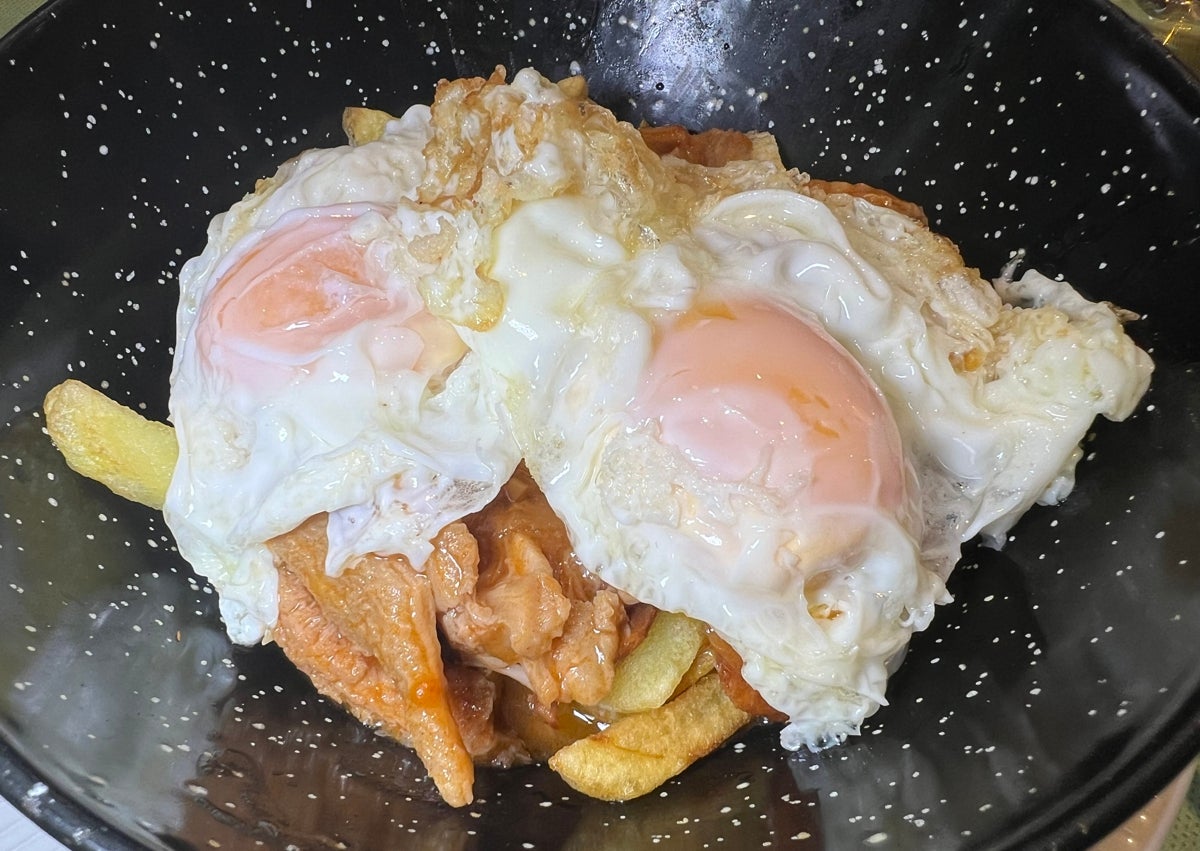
[[638, 753], [541, 735], [362, 125], [703, 665], [101, 439], [647, 677]]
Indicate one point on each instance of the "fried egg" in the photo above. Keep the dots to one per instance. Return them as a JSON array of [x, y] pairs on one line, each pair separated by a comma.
[[309, 377], [782, 414]]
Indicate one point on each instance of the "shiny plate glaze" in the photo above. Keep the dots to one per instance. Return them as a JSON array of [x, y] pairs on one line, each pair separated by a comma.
[[1050, 700]]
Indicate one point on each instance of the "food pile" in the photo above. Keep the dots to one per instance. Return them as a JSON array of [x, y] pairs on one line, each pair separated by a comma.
[[528, 434]]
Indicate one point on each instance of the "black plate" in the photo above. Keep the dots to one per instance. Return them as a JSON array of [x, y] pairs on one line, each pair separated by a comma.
[[1049, 701]]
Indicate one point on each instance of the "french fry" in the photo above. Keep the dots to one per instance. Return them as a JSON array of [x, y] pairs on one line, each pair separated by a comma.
[[542, 735], [703, 665], [362, 125], [638, 753], [118, 447], [650, 674]]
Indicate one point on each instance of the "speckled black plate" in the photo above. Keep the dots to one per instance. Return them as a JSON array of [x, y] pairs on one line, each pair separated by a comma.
[[1051, 699]]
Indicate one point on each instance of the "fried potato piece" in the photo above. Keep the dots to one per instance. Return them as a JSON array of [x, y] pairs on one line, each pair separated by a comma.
[[132, 456], [362, 125], [703, 665], [638, 753], [650, 674], [543, 730], [386, 607]]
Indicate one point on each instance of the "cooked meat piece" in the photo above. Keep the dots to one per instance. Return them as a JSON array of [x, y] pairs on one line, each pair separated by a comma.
[[474, 696], [713, 147], [729, 670], [641, 616], [453, 567], [387, 608], [518, 608], [821, 189], [338, 667], [510, 598], [534, 614]]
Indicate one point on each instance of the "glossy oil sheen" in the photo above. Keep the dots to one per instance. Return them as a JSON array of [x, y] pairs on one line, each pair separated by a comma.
[[1054, 696]]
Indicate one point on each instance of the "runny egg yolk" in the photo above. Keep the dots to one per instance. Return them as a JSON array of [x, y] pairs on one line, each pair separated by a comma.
[[311, 282], [753, 393]]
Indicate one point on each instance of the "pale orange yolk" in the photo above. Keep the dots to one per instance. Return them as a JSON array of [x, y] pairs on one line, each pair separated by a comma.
[[746, 391], [306, 283]]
